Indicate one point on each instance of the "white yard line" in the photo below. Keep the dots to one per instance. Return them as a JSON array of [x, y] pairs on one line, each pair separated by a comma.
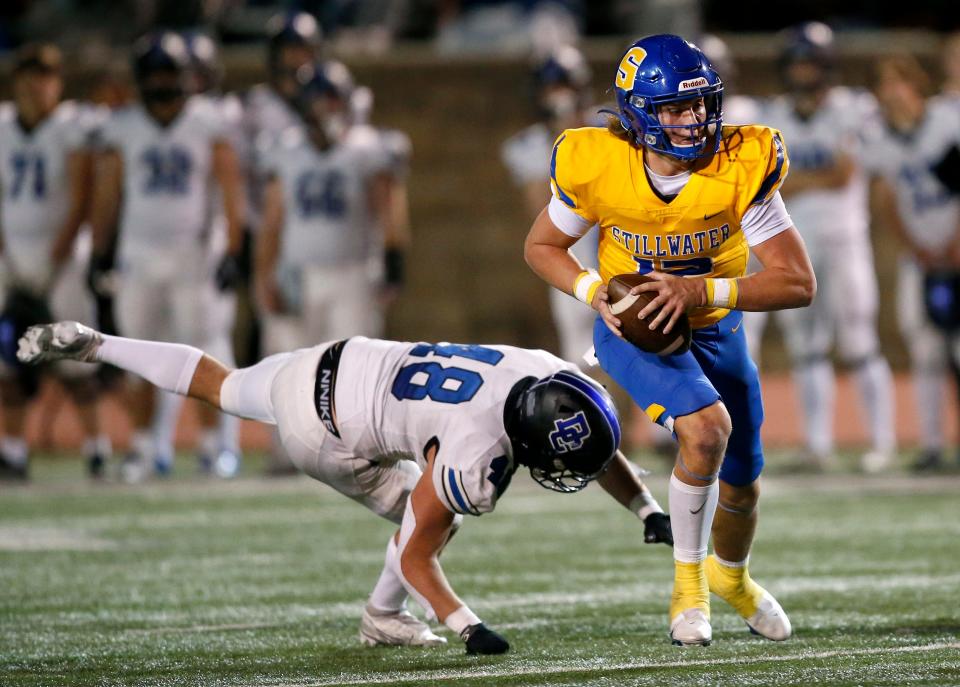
[[432, 676]]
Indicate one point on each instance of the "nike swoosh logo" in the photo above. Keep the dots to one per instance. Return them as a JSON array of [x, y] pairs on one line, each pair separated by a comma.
[[706, 217], [694, 512], [734, 330]]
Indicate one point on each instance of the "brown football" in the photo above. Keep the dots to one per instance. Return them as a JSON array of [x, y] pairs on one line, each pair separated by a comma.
[[627, 307]]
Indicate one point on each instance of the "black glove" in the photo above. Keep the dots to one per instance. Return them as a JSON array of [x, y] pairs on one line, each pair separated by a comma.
[[229, 274], [656, 529], [482, 640]]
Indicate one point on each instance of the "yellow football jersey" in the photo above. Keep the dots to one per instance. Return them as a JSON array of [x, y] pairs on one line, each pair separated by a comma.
[[602, 179]]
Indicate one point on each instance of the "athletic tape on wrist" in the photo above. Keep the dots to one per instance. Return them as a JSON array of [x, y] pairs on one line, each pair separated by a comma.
[[461, 619], [722, 293], [585, 286], [643, 504]]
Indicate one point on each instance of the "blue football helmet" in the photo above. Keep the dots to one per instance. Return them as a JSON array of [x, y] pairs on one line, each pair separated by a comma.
[[811, 41], [564, 66], [205, 60], [661, 69], [564, 428]]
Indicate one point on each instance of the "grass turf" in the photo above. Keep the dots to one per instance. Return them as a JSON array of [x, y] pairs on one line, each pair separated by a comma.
[[261, 582]]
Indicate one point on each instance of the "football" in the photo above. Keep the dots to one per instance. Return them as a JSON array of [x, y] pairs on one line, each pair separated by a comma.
[[627, 307]]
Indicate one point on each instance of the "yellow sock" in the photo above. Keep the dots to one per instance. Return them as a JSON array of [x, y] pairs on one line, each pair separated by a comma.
[[733, 585], [689, 588]]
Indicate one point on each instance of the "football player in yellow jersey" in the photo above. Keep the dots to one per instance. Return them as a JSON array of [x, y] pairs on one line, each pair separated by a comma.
[[682, 198]]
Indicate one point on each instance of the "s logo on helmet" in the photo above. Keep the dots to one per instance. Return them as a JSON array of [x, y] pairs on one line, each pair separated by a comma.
[[627, 71], [570, 433]]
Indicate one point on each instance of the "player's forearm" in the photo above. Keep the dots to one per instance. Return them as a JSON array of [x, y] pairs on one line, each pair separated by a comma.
[[776, 288], [227, 173], [623, 484], [105, 206], [556, 266], [422, 571]]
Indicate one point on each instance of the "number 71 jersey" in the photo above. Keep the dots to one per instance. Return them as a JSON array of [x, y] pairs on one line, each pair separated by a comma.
[[396, 400], [602, 178]]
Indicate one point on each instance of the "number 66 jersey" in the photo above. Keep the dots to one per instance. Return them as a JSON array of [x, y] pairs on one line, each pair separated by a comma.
[[399, 399]]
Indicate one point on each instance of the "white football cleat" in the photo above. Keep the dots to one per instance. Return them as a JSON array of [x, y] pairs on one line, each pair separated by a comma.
[[44, 343], [770, 621], [691, 628], [396, 629], [874, 462]]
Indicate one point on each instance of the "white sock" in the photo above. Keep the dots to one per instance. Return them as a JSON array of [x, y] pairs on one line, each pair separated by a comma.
[[169, 366], [876, 389], [142, 444], [14, 450], [228, 433], [164, 427], [97, 445], [691, 517], [816, 384], [389, 594], [928, 387], [247, 392]]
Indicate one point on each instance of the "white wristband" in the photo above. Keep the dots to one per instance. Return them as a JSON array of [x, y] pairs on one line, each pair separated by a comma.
[[585, 286], [643, 504], [461, 619]]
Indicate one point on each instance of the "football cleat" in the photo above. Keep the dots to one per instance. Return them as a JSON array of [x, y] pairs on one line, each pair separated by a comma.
[[399, 628], [11, 471], [874, 462], [46, 343], [133, 469], [770, 621], [691, 628], [763, 615]]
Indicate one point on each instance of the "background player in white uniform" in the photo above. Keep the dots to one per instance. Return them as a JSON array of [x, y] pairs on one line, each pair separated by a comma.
[[917, 208], [44, 179], [563, 99], [328, 214], [161, 158], [827, 191], [446, 425], [219, 447]]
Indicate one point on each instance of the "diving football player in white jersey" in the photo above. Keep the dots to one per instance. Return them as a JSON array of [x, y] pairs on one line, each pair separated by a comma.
[[827, 191], [162, 157], [421, 434], [328, 212], [562, 93], [45, 164], [917, 207]]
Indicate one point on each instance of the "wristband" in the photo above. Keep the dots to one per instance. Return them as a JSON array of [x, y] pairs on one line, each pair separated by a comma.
[[461, 619], [585, 286], [643, 504], [394, 267], [722, 293]]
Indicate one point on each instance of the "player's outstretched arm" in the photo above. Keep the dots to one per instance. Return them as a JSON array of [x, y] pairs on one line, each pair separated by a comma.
[[426, 528], [626, 487]]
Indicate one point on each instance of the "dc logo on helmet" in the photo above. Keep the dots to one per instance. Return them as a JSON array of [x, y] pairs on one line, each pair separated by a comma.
[[570, 433]]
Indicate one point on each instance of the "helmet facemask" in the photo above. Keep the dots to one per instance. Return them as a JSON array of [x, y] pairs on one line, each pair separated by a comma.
[[642, 116]]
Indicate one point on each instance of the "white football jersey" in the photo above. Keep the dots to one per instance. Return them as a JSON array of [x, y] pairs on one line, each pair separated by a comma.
[[35, 184], [398, 399], [827, 215], [528, 156], [167, 175], [327, 216], [928, 211], [742, 109]]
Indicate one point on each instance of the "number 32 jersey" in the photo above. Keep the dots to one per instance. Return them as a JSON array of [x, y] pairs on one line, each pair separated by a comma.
[[603, 180], [167, 177], [398, 399]]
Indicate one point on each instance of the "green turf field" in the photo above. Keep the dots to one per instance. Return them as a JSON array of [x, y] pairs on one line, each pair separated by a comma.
[[261, 583]]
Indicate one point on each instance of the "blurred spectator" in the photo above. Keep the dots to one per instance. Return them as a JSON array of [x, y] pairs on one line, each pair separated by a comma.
[[506, 26]]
